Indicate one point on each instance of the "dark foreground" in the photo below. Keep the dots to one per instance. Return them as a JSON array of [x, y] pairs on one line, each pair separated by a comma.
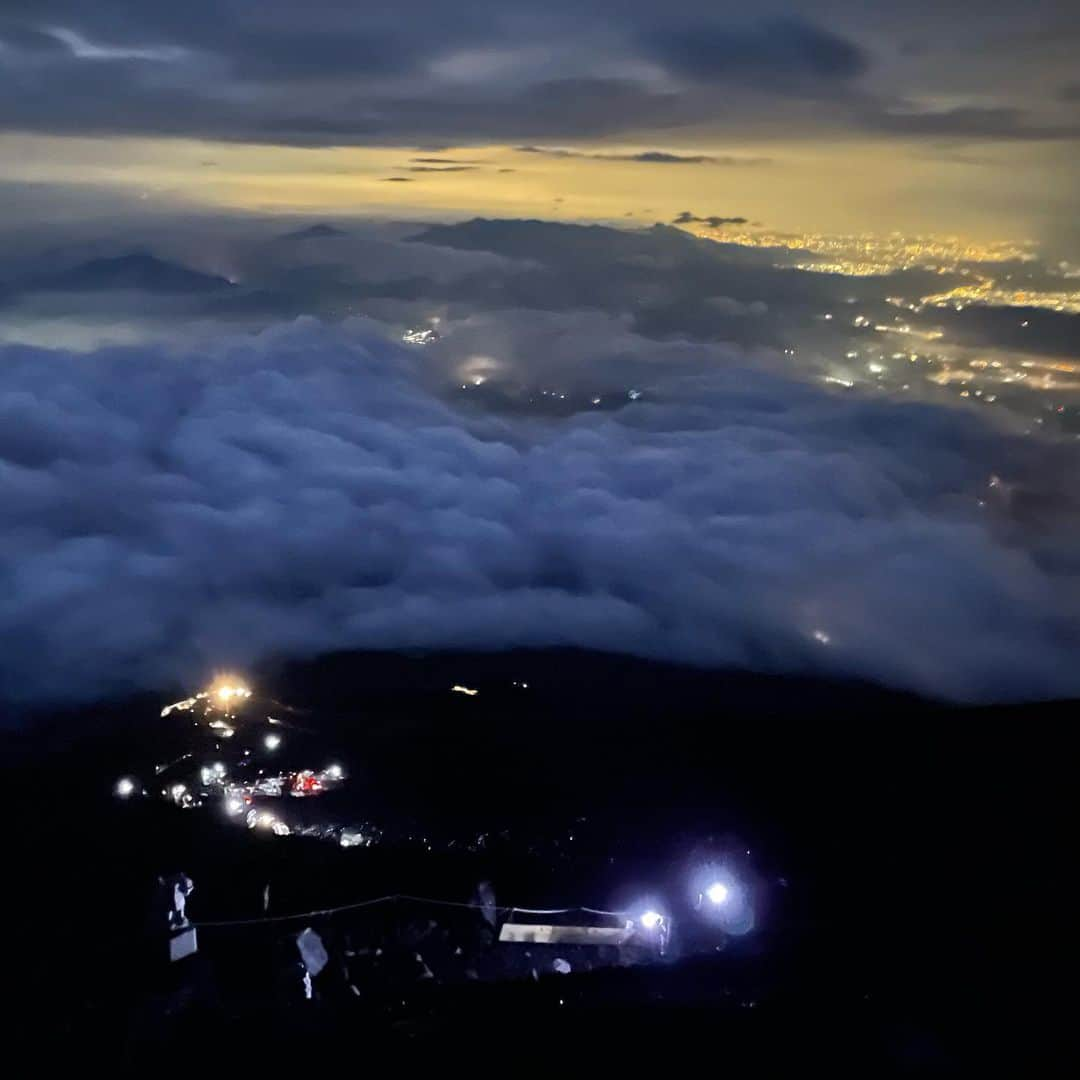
[[907, 864]]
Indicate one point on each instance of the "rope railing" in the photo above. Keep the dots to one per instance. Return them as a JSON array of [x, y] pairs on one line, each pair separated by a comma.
[[393, 897]]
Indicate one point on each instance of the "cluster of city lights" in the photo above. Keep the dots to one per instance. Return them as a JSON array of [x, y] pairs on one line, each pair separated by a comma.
[[216, 706], [227, 693], [866, 254]]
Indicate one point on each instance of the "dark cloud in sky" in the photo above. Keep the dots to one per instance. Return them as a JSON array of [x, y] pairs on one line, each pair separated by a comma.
[[25, 37], [789, 49], [663, 157], [970, 122], [649, 157], [687, 218], [441, 168], [327, 74]]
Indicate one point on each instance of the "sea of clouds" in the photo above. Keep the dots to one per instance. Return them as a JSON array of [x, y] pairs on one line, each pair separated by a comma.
[[172, 509]]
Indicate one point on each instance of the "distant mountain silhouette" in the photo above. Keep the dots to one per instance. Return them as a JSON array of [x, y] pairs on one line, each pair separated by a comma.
[[590, 245], [321, 231], [136, 271]]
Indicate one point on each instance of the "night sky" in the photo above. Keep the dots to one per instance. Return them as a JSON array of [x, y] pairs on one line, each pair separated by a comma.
[[756, 337], [835, 116]]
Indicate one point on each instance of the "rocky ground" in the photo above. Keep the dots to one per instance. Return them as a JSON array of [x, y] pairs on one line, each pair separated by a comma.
[[901, 855]]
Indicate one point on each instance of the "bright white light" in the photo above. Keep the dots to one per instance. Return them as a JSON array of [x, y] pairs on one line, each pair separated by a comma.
[[463, 690], [272, 742], [177, 790], [334, 772], [651, 919], [235, 806], [821, 637], [125, 787], [717, 892]]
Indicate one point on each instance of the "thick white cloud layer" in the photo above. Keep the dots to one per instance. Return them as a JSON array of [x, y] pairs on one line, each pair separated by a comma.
[[167, 512]]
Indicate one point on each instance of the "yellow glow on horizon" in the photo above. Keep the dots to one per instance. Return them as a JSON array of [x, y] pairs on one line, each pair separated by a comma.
[[841, 186]]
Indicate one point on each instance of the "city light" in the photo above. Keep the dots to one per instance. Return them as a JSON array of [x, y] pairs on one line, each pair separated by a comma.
[[227, 693], [267, 821], [184, 706], [650, 919], [125, 787], [272, 742], [420, 336]]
